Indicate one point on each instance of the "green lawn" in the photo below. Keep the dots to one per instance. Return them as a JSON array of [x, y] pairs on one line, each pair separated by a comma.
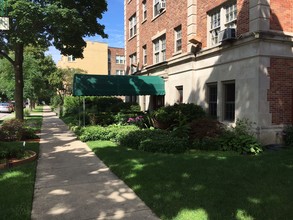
[[17, 184], [17, 188], [206, 185]]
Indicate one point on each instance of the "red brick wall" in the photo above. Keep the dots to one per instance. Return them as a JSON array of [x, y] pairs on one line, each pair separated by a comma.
[[242, 17], [131, 43], [114, 51], [281, 15], [205, 6], [175, 15], [280, 93]]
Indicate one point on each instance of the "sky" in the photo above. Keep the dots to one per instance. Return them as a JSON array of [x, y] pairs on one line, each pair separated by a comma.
[[114, 27]]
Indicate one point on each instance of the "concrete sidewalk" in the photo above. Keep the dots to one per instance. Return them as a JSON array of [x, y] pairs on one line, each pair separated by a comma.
[[72, 183]]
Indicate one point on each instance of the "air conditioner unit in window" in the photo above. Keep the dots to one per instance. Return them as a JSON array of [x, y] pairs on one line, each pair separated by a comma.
[[162, 5], [227, 34]]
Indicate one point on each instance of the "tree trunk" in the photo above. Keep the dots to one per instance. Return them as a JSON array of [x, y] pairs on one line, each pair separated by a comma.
[[18, 71]]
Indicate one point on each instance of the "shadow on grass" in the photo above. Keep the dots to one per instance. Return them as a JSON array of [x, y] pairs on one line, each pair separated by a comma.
[[17, 186], [206, 185]]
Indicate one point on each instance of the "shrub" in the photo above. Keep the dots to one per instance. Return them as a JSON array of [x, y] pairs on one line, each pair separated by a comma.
[[133, 138], [126, 107], [204, 128], [245, 144], [164, 144], [173, 115], [102, 103], [56, 101], [113, 132], [12, 130], [16, 130], [240, 138], [11, 152], [288, 135], [154, 140], [71, 105]]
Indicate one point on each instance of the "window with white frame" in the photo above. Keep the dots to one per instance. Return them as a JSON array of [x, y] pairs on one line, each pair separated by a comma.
[[159, 6], [132, 26], [178, 39], [144, 10], [120, 59], [119, 72], [70, 58], [221, 18], [133, 63], [144, 54], [231, 16], [159, 45]]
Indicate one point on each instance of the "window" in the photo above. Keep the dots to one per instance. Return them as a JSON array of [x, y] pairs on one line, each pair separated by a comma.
[[144, 10], [160, 49], [220, 19], [132, 26], [179, 94], [212, 100], [144, 53], [133, 63], [178, 39], [158, 101], [229, 101], [119, 72], [231, 16], [120, 59], [70, 58], [215, 27], [159, 7]]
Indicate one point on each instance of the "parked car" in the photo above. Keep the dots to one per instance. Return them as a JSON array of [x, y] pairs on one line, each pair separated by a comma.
[[6, 107]]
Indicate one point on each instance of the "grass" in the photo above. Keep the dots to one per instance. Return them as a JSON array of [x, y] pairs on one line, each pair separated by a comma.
[[17, 184], [206, 185], [17, 188]]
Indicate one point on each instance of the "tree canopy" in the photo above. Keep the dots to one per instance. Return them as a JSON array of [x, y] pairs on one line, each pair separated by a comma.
[[37, 68], [61, 23]]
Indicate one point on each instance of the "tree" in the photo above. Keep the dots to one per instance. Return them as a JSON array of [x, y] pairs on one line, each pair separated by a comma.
[[60, 23], [36, 70], [61, 80]]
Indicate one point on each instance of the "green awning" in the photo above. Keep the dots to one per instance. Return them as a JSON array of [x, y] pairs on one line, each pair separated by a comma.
[[110, 85]]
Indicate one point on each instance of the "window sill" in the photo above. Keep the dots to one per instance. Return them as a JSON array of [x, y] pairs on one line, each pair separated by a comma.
[[157, 16], [144, 21], [131, 37], [177, 53]]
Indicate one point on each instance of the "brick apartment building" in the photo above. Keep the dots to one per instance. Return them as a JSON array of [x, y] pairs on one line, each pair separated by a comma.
[[234, 58], [116, 61], [99, 58]]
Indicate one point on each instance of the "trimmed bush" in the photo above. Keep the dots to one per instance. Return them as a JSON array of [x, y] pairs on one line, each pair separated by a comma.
[[154, 140], [164, 144], [113, 132]]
